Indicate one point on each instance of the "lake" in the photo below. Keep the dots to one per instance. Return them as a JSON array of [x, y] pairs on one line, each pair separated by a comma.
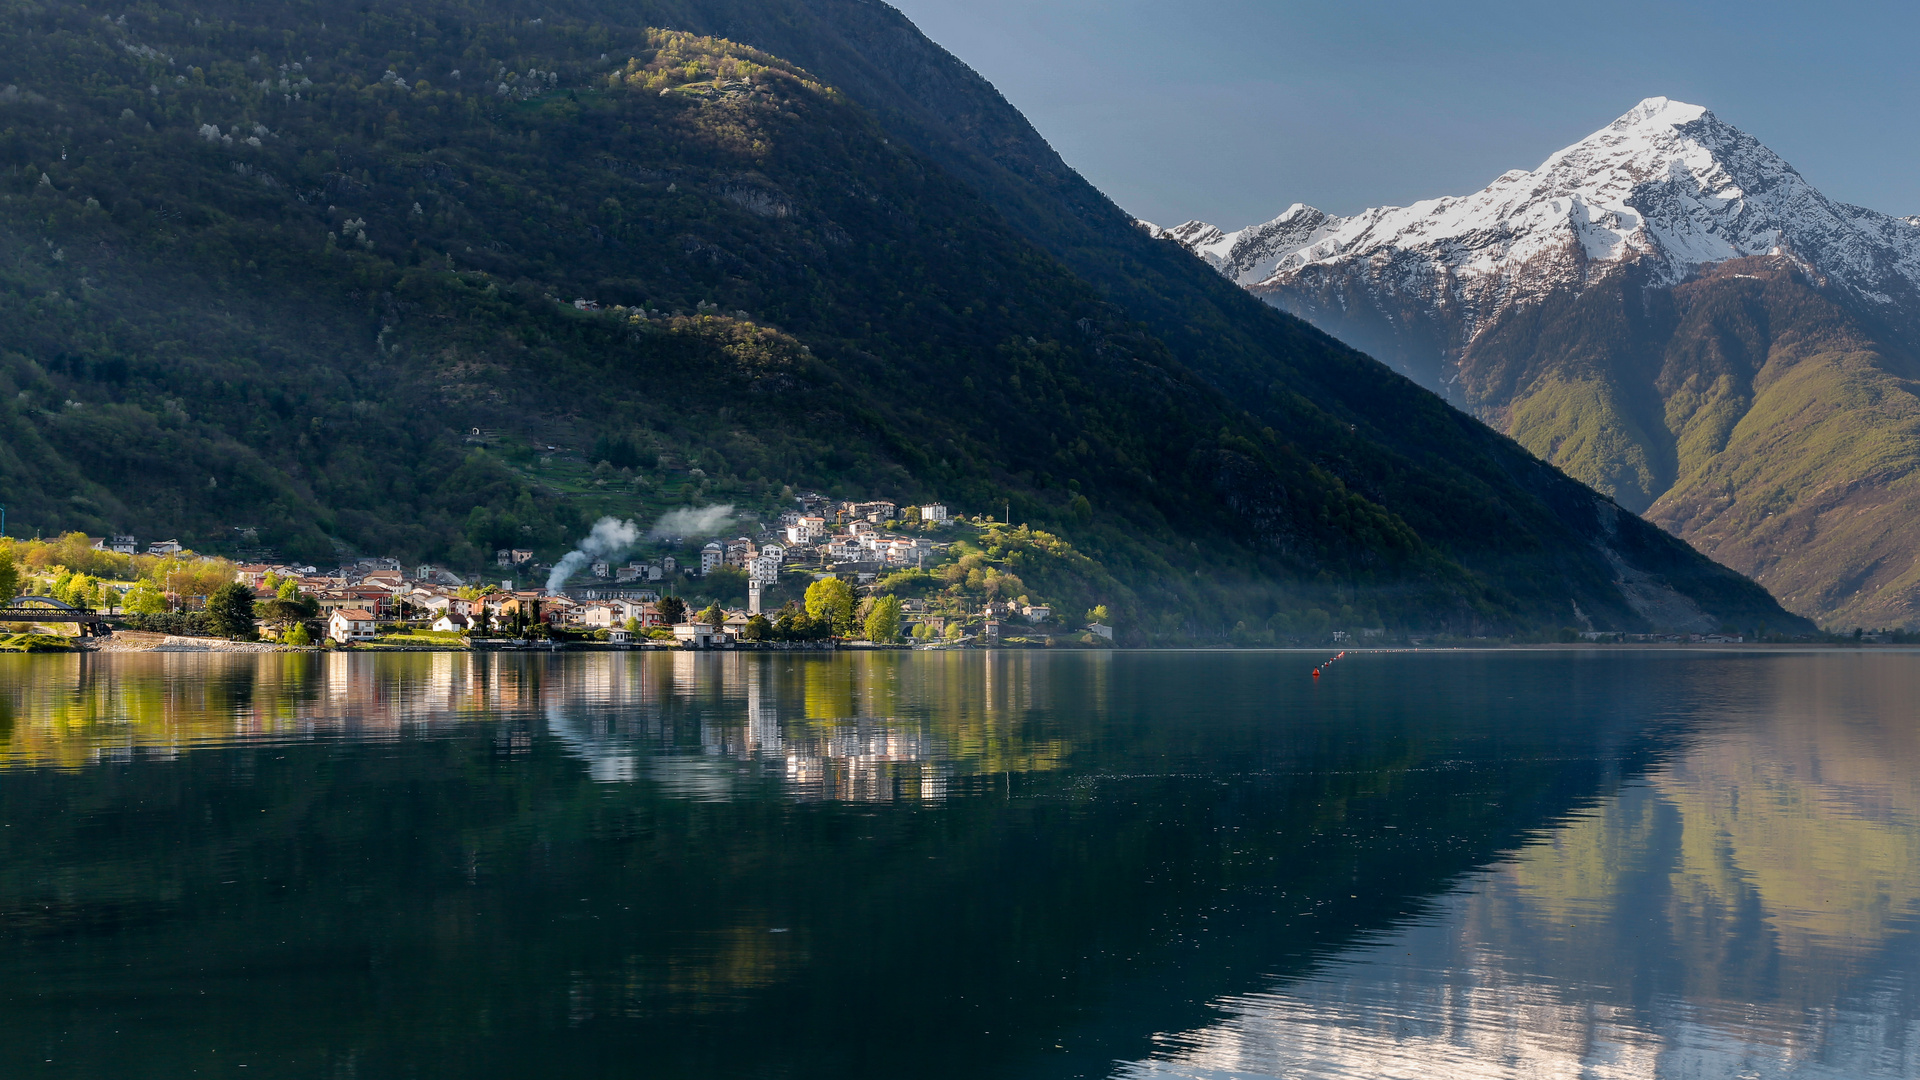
[[1593, 863]]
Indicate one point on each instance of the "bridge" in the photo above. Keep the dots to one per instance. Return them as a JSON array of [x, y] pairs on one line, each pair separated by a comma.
[[45, 609]]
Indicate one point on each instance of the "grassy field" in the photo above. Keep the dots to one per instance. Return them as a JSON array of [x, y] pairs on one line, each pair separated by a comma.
[[22, 643]]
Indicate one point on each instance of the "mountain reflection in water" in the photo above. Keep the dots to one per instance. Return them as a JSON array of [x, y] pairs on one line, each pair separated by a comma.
[[1583, 863], [1745, 910]]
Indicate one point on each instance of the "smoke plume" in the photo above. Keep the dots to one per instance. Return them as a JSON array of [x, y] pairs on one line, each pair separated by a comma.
[[609, 539], [692, 521]]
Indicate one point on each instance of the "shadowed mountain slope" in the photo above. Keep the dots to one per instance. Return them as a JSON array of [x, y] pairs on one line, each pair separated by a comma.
[[276, 263]]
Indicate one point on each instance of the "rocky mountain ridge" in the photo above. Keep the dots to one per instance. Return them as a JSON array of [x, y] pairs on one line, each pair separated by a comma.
[[1668, 311], [1668, 188]]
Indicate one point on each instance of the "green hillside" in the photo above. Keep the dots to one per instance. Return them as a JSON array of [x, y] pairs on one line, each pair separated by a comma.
[[1752, 412], [303, 276], [1797, 445]]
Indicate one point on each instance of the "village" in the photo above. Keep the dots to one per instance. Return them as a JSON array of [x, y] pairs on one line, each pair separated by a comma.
[[824, 573]]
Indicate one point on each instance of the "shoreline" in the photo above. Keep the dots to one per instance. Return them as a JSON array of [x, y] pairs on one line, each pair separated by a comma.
[[133, 641]]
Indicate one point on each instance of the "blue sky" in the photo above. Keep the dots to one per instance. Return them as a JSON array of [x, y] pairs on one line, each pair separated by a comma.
[[1228, 110]]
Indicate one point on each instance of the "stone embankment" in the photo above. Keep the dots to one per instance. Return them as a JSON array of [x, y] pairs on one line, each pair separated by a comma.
[[123, 641]]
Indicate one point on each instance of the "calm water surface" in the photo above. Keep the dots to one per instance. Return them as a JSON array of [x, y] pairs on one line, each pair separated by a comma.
[[1578, 864]]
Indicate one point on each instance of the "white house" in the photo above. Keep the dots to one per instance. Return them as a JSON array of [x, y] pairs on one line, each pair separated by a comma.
[[453, 622], [698, 635], [763, 569], [1037, 613], [933, 512], [164, 547], [350, 624], [712, 556]]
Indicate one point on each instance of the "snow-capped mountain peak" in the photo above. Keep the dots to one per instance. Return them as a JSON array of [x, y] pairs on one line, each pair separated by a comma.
[[1668, 186]]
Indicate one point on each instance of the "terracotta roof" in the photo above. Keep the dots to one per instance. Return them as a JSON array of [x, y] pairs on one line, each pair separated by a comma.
[[357, 614]]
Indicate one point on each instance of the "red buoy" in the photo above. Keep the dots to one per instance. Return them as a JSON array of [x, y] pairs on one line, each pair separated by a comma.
[[1316, 673]]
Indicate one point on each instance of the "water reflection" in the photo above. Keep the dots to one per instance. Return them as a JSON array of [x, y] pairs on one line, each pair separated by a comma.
[[700, 725], [1745, 910], [809, 865]]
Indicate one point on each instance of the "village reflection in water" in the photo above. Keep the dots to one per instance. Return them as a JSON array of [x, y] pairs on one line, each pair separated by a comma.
[[702, 726]]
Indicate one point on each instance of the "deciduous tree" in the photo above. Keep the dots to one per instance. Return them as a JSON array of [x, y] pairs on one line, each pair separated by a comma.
[[830, 600], [883, 622]]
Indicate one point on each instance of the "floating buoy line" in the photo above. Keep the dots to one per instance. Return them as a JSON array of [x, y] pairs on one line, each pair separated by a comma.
[[1327, 663]]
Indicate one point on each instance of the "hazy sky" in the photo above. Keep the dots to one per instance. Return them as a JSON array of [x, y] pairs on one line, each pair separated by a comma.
[[1229, 110]]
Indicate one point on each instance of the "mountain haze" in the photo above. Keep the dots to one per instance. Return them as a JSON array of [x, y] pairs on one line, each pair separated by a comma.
[[307, 271], [1668, 311]]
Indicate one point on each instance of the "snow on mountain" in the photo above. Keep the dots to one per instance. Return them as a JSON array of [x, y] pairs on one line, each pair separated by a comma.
[[1668, 186], [1253, 254]]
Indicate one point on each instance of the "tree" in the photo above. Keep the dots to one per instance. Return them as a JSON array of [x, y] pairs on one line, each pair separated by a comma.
[[632, 625], [794, 624], [1098, 614], [230, 611], [955, 632], [289, 605], [144, 599], [830, 600], [713, 616], [673, 610], [298, 636], [727, 583], [883, 622], [758, 628], [9, 577]]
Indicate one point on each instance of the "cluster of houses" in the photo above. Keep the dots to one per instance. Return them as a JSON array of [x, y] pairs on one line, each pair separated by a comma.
[[127, 545], [844, 537], [357, 597], [856, 541], [854, 535]]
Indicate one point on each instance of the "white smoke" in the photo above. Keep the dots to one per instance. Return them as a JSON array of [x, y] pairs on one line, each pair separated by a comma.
[[692, 521], [609, 539]]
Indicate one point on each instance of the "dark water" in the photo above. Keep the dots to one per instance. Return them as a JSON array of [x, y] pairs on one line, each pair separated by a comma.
[[1603, 864]]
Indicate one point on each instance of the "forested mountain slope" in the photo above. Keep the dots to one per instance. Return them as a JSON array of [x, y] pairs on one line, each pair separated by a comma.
[[274, 266]]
